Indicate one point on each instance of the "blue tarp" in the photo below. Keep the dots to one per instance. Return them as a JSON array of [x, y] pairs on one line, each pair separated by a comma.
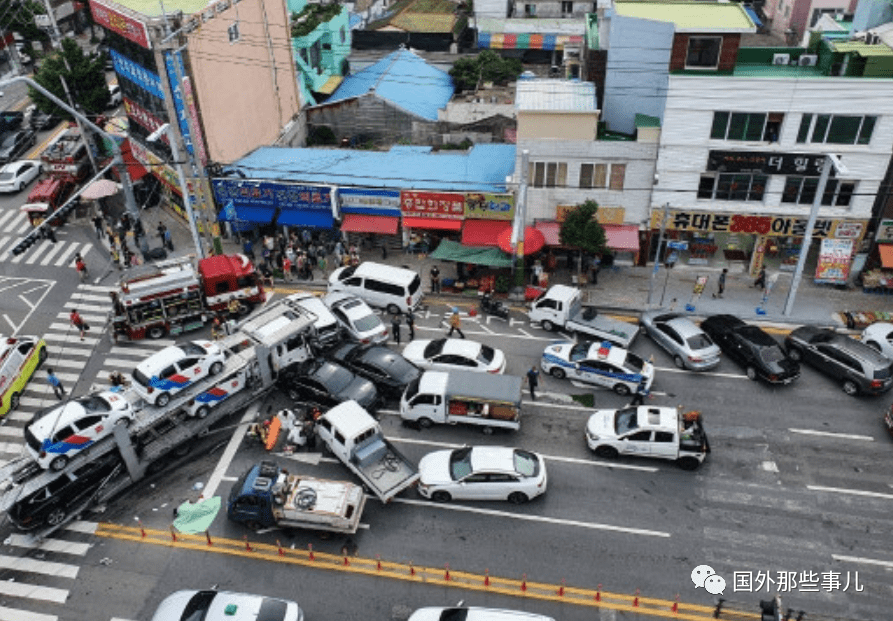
[[754, 17], [316, 219], [260, 215]]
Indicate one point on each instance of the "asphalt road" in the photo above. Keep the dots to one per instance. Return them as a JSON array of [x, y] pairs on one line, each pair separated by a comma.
[[798, 481]]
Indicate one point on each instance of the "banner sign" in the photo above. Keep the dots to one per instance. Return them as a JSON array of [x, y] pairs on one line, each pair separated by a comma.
[[432, 204], [145, 79], [774, 226], [884, 231], [284, 196], [145, 118], [807, 164], [834, 261], [121, 24], [155, 165], [189, 98], [490, 206], [173, 63], [604, 215], [369, 201]]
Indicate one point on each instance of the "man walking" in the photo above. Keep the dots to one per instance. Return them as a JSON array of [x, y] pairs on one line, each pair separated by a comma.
[[56, 384], [533, 381], [98, 223], [410, 323], [721, 284], [81, 267], [641, 394], [435, 279], [78, 322], [395, 328], [455, 323]]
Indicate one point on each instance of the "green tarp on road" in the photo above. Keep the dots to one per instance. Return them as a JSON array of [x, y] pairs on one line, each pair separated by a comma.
[[478, 255], [196, 517]]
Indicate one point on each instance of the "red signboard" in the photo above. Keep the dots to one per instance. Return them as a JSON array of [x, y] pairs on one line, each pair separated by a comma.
[[142, 116], [125, 26], [433, 204]]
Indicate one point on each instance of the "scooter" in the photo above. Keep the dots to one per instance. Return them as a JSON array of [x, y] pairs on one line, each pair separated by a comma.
[[494, 307]]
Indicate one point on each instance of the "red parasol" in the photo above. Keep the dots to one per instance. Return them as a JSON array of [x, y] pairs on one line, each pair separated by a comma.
[[534, 240]]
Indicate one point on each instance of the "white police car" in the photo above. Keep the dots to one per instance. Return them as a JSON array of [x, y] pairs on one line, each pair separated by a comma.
[[157, 378], [602, 364]]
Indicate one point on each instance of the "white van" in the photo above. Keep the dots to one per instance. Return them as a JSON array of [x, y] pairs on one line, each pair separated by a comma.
[[328, 332], [384, 286]]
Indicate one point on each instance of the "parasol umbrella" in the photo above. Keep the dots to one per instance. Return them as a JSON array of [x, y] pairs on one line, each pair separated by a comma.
[[100, 189], [534, 240]]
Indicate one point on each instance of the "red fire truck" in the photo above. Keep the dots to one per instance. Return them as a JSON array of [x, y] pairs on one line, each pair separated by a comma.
[[46, 197], [169, 297], [66, 157]]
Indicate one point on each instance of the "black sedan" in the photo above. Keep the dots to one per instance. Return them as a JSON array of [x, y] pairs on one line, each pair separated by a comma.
[[760, 354], [390, 371], [52, 504], [42, 120], [15, 143], [326, 384]]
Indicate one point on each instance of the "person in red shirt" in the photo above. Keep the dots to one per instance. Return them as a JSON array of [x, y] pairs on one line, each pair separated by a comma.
[[78, 322], [81, 267]]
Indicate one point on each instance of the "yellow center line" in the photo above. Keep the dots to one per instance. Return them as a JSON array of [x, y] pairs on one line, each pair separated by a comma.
[[409, 573]]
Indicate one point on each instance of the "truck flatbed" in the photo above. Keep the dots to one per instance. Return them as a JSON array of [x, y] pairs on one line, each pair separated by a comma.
[[333, 506]]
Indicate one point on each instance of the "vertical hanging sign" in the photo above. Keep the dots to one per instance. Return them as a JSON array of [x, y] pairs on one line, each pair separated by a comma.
[[170, 58]]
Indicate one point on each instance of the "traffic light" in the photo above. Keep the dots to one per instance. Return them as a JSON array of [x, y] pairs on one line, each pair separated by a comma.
[[62, 212], [29, 240]]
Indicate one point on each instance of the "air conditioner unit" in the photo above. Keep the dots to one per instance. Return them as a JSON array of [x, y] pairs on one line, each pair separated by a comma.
[[781, 59], [808, 60]]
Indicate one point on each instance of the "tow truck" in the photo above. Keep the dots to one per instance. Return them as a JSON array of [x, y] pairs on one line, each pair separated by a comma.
[[171, 297]]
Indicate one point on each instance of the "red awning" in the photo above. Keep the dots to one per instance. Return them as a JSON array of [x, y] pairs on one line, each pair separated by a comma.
[[622, 237], [134, 168], [886, 251], [360, 223], [483, 232], [551, 231], [441, 224]]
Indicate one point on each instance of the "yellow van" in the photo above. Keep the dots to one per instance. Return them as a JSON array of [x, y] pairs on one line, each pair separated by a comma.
[[19, 358]]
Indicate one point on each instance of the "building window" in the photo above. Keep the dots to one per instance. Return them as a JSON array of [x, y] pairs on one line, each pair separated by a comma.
[[529, 10], [567, 7], [836, 129], [597, 176], [703, 52], [548, 174], [732, 187], [343, 35], [801, 190], [618, 172], [233, 32], [753, 127]]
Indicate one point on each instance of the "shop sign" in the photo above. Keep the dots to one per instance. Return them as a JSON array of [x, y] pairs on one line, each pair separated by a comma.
[[121, 24], [174, 61], [156, 166], [189, 96], [834, 261], [490, 206], [773, 226], [139, 75], [605, 215], [884, 231], [284, 196], [768, 163], [448, 205], [367, 200], [145, 118]]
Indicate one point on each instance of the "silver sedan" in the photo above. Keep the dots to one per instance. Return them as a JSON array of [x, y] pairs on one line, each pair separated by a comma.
[[690, 347]]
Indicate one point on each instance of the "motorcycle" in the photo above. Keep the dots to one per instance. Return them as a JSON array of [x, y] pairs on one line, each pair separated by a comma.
[[494, 307]]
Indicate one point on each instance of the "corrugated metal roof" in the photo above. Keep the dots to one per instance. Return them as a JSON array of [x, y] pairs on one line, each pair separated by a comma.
[[404, 79], [482, 169], [861, 48], [690, 16], [540, 25], [556, 96]]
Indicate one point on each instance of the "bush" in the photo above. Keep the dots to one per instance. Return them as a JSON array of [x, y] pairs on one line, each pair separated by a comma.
[[503, 283]]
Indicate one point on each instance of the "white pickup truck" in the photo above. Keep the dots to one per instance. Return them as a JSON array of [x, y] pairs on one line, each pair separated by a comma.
[[355, 438], [560, 307]]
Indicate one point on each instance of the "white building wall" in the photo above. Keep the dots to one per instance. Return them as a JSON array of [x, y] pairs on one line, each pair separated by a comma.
[[685, 138]]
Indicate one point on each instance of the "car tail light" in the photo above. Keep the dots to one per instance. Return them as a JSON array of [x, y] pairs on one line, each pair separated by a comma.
[[773, 378], [150, 389], [365, 341], [43, 454], [409, 301], [493, 371], [877, 384], [695, 359]]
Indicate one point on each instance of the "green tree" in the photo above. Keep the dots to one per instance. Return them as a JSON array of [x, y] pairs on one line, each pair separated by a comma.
[[84, 74], [19, 17], [581, 230], [488, 66]]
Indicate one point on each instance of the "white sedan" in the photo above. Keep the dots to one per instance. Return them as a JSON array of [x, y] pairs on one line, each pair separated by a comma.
[[474, 614], [16, 175], [880, 337], [226, 606], [64, 431], [454, 354], [355, 316], [482, 473]]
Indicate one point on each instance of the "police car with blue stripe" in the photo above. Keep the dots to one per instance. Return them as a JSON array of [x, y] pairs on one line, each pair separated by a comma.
[[602, 364]]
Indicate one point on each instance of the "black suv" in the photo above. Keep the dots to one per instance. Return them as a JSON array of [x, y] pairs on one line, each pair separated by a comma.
[[760, 355], [51, 504], [857, 365]]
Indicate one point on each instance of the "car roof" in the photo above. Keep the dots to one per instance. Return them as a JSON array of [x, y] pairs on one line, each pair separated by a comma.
[[68, 412], [684, 326], [490, 458], [162, 358], [616, 354], [461, 347], [857, 348], [16, 165], [397, 275], [350, 418]]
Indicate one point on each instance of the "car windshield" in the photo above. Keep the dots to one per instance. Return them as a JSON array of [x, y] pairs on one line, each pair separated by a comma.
[[197, 607], [333, 377], [369, 322], [771, 354], [486, 354], [140, 377], [626, 420], [882, 374], [9, 141], [433, 348], [699, 341], [413, 389], [460, 463], [526, 463], [396, 365], [579, 352], [191, 349], [272, 610], [633, 362], [95, 403], [414, 285], [454, 614], [6, 176]]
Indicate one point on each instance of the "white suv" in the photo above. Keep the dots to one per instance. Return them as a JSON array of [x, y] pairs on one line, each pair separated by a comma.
[[174, 368]]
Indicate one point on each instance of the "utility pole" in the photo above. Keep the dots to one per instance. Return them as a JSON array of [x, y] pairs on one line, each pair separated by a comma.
[[521, 217], [57, 34], [657, 259]]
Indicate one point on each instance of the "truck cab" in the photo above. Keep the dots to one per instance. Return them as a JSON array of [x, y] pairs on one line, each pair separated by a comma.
[[45, 198], [561, 307], [228, 277], [288, 331]]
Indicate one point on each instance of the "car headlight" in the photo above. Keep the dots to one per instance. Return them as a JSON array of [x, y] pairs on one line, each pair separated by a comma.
[[592, 436]]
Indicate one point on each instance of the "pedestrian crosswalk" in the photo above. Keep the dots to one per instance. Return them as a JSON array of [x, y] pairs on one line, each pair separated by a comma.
[[15, 226]]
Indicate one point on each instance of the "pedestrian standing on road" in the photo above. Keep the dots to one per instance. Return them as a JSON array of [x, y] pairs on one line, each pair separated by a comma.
[[168, 240], [99, 224], [410, 323], [286, 268], [721, 284], [161, 229], [116, 257], [455, 323], [109, 231], [248, 249], [640, 395], [395, 327], [596, 267], [533, 380], [49, 233], [322, 262], [78, 322], [761, 279], [56, 384], [435, 279], [81, 267]]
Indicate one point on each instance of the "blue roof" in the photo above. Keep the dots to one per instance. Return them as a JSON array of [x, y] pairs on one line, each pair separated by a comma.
[[354, 20], [404, 79], [482, 169]]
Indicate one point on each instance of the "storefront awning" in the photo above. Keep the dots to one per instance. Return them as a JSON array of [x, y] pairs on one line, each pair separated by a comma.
[[886, 251], [312, 219], [483, 232], [551, 230], [440, 224], [622, 237], [356, 223], [449, 250], [258, 215]]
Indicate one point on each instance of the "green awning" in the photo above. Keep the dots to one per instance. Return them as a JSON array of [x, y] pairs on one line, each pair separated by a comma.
[[453, 251]]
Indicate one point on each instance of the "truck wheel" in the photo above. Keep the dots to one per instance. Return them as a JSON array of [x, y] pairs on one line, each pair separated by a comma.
[[441, 496], [56, 516], [557, 372], [518, 498], [163, 399], [216, 368], [548, 326], [607, 452], [393, 309], [794, 354], [59, 463], [688, 463], [202, 412], [621, 389], [14, 401], [425, 422], [155, 332]]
